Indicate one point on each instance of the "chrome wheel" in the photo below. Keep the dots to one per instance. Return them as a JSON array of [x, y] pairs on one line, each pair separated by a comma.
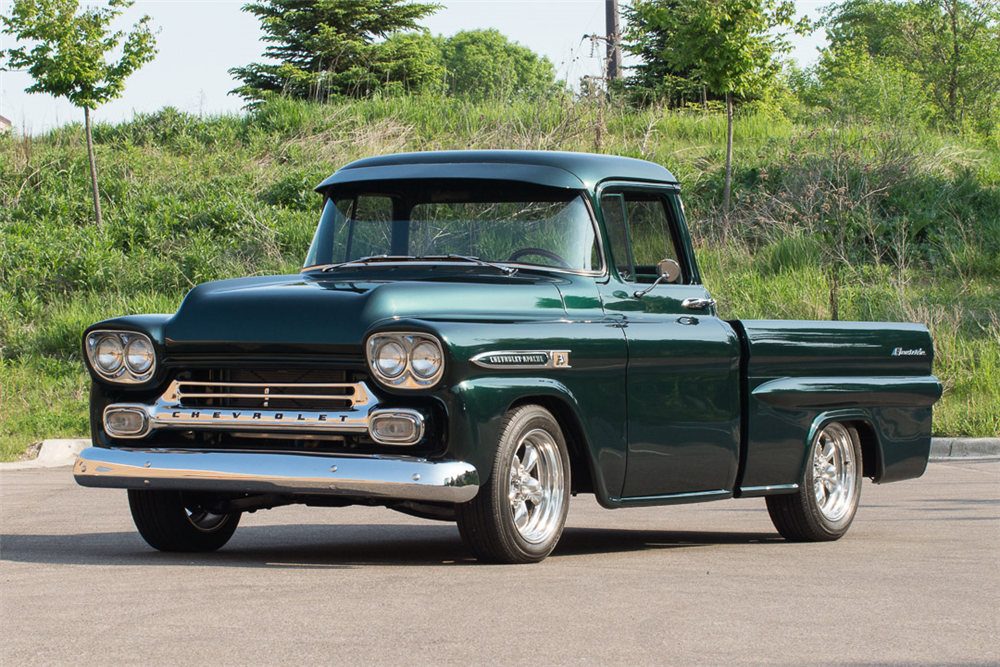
[[536, 487], [205, 521], [519, 513], [834, 472], [824, 505]]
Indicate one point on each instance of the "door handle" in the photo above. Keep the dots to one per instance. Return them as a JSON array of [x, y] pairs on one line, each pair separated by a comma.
[[698, 304]]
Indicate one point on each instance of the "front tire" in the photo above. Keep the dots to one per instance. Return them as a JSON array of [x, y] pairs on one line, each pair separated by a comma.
[[825, 504], [519, 514], [174, 521]]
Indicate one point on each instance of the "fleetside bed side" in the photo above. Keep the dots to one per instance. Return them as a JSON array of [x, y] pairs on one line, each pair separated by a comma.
[[798, 374]]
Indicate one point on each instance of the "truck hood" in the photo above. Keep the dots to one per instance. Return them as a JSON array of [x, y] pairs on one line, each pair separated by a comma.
[[303, 311]]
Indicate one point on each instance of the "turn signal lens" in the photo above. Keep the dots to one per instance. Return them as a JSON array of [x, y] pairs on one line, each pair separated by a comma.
[[109, 354], [395, 429], [124, 422]]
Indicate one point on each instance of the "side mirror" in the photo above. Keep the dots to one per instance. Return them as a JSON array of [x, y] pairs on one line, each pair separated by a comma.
[[668, 271]]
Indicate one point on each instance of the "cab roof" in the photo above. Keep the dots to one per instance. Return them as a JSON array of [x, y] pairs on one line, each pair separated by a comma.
[[575, 171]]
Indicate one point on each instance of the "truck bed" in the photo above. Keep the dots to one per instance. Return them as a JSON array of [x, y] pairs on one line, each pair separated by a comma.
[[798, 375]]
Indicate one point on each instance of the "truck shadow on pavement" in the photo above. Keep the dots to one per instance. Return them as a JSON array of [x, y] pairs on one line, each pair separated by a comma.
[[331, 545]]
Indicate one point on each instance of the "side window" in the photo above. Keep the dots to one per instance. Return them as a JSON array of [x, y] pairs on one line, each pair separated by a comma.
[[638, 221], [614, 219]]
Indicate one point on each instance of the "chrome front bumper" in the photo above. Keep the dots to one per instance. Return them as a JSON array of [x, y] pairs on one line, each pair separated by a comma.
[[403, 478]]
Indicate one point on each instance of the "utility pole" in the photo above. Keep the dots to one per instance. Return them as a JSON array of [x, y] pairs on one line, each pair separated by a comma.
[[614, 50]]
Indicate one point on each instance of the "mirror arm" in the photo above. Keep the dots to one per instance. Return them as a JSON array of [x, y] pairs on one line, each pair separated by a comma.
[[638, 294]]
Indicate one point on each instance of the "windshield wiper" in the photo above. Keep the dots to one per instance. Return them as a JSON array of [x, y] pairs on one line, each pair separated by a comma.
[[370, 259], [507, 270]]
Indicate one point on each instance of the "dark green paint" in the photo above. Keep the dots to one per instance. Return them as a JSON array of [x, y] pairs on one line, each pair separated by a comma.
[[835, 365], [585, 170], [661, 404]]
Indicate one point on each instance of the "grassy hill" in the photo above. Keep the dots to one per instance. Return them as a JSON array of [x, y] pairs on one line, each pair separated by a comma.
[[848, 221]]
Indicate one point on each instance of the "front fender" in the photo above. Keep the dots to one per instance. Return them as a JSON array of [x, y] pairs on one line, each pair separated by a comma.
[[476, 409]]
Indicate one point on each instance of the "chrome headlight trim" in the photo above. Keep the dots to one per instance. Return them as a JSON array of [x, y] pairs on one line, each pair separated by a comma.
[[125, 372], [408, 378]]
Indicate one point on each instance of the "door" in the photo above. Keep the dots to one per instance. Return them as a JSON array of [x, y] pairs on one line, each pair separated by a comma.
[[682, 379]]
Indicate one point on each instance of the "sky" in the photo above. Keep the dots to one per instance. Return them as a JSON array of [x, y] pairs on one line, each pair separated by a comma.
[[199, 40]]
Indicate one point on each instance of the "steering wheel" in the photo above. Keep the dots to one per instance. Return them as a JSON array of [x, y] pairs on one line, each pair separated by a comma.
[[548, 254]]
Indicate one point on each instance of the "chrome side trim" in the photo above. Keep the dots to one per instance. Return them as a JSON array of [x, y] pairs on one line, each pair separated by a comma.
[[523, 359], [403, 478], [770, 490]]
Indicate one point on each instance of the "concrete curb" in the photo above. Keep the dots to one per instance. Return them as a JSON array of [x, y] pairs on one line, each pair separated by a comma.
[[960, 448], [55, 453]]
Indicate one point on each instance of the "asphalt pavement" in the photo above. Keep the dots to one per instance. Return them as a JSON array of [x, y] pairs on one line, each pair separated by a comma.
[[915, 582]]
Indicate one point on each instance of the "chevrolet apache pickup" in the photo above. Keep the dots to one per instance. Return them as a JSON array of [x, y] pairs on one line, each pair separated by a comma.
[[477, 336]]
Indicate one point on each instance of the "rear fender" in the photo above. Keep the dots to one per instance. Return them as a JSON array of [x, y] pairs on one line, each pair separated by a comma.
[[906, 457]]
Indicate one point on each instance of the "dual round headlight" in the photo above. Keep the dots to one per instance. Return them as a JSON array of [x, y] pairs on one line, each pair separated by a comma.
[[406, 360], [121, 356]]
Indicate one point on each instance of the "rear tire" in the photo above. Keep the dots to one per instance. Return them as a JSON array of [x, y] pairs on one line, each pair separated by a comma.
[[825, 504], [519, 514], [174, 521]]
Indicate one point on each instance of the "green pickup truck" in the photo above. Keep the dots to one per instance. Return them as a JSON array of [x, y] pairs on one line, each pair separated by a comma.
[[477, 336]]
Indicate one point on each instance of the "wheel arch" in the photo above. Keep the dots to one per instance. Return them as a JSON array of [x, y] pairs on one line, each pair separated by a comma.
[[861, 422], [581, 463], [871, 451]]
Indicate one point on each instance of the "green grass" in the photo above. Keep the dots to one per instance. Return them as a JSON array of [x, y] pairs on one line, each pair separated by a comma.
[[40, 398], [904, 221]]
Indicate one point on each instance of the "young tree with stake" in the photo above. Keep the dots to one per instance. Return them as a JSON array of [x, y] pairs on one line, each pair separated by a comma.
[[729, 44], [68, 56]]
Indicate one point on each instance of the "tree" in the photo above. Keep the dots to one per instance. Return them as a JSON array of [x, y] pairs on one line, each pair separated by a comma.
[[730, 45], [328, 48], [69, 56], [484, 64], [949, 48], [647, 38], [410, 62]]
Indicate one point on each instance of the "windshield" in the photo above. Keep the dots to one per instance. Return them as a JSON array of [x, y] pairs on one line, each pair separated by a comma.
[[491, 221]]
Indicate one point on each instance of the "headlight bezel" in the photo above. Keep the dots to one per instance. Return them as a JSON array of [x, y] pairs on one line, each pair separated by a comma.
[[408, 378], [125, 372]]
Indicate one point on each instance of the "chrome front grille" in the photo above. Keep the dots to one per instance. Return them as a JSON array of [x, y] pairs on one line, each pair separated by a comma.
[[271, 403], [274, 390]]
